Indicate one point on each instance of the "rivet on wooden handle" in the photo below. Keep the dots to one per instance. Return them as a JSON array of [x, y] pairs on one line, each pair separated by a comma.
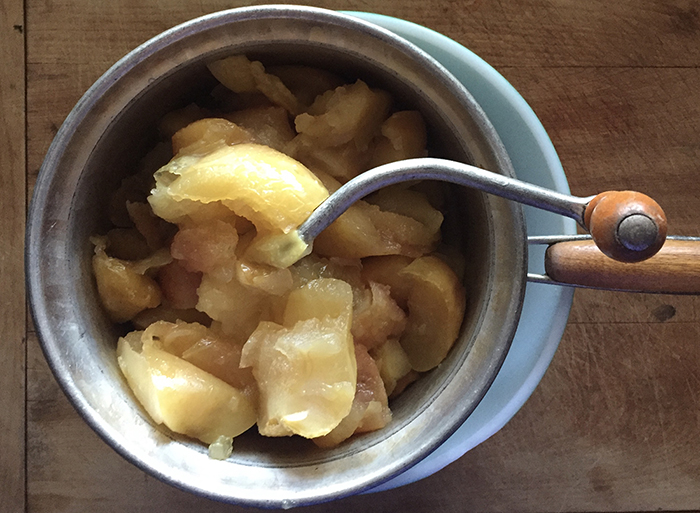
[[675, 269], [627, 226]]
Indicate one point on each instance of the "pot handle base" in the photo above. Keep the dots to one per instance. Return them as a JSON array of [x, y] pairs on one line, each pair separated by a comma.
[[675, 269]]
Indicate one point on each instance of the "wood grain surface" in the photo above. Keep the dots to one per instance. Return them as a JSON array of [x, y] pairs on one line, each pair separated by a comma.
[[12, 215], [613, 425]]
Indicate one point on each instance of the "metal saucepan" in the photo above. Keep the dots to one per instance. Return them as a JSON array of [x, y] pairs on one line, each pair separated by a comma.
[[113, 125]]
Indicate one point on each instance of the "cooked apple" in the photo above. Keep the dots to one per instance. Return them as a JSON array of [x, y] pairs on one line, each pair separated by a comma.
[[267, 125], [392, 362], [123, 287], [348, 113], [403, 136], [181, 396], [270, 189], [436, 305], [244, 76], [204, 135], [386, 270], [305, 369], [370, 407]]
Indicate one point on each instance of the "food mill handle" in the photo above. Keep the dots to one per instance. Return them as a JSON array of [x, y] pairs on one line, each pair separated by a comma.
[[626, 225], [675, 269]]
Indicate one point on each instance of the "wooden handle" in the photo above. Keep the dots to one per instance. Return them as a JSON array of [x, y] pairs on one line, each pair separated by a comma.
[[675, 269], [626, 225]]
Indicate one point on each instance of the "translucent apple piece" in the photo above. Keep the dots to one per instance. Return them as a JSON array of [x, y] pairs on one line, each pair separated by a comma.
[[305, 82], [207, 247], [376, 316], [238, 308], [348, 113], [342, 162], [123, 287], [213, 352], [413, 204], [305, 369], [267, 125], [365, 230], [392, 362], [270, 189], [386, 270], [403, 136], [204, 135], [436, 303], [370, 409], [244, 76], [181, 396]]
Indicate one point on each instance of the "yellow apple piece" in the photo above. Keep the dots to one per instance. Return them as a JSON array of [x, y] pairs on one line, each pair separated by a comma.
[[267, 187], [241, 75], [403, 136], [342, 162], [174, 337], [324, 297], [376, 316], [305, 82], [365, 230], [269, 279], [123, 286], [370, 407], [277, 249], [267, 125], [348, 113], [209, 350], [436, 303], [205, 135], [207, 247], [392, 362], [238, 308], [386, 270], [181, 396], [305, 369], [313, 267], [413, 204], [221, 357]]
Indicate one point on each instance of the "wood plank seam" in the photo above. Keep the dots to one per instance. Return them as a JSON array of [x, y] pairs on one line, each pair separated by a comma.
[[27, 192]]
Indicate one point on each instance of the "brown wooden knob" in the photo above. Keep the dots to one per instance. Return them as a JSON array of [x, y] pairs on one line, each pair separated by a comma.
[[626, 225]]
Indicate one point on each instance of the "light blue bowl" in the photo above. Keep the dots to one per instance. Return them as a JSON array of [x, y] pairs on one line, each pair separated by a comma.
[[546, 307]]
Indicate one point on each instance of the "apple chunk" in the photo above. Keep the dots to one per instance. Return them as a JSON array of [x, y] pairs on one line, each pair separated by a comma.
[[436, 306], [305, 369], [185, 398]]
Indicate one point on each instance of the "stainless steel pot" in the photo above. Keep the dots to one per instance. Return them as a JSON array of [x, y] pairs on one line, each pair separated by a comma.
[[112, 126]]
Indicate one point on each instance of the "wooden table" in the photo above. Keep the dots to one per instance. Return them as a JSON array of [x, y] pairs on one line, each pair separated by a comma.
[[615, 423]]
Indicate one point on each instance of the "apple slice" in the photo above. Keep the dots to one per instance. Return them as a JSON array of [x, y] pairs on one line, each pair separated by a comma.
[[181, 396], [436, 304]]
